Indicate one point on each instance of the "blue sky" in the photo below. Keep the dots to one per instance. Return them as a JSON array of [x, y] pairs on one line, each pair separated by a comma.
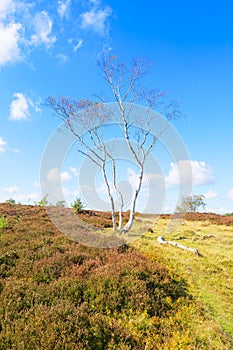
[[51, 48]]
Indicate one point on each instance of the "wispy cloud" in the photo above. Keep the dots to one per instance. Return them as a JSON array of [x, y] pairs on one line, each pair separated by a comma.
[[63, 8], [74, 171], [211, 194], [6, 7], [62, 59], [5, 148], [230, 194], [16, 193], [78, 45], [95, 2], [25, 26], [97, 20], [43, 30], [3, 145], [12, 189]]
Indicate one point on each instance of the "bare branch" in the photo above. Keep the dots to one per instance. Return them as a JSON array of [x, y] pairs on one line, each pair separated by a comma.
[[90, 117]]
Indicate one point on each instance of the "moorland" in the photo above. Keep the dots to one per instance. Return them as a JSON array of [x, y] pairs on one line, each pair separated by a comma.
[[58, 294]]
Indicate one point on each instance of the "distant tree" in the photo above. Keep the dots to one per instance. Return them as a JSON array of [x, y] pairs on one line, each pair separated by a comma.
[[10, 201], [125, 84], [191, 203], [61, 203], [78, 206]]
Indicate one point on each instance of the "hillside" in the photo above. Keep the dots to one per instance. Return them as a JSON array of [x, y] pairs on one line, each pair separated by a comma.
[[58, 294]]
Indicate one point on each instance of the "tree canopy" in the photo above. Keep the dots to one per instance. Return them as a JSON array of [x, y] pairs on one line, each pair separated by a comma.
[[192, 203]]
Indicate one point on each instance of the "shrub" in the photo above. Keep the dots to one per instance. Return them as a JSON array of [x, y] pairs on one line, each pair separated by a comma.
[[7, 261], [43, 202], [3, 223], [61, 203], [10, 201], [78, 206]]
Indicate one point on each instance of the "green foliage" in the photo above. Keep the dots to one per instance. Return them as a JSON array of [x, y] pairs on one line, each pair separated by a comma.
[[229, 214], [10, 201], [78, 206], [43, 202], [3, 223], [191, 203]]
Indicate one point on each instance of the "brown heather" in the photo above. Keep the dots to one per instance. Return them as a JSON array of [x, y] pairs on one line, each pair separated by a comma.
[[57, 294]]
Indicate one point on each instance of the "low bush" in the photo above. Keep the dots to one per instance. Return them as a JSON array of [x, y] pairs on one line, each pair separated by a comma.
[[3, 223]]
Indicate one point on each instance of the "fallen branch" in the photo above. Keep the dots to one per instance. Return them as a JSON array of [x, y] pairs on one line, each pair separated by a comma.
[[161, 240]]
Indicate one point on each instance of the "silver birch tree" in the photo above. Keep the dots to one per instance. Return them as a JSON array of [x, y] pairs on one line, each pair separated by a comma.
[[126, 90]]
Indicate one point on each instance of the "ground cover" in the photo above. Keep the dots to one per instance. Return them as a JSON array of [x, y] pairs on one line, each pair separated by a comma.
[[58, 294]]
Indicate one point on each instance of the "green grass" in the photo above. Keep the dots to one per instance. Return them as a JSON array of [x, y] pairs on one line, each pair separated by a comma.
[[210, 275]]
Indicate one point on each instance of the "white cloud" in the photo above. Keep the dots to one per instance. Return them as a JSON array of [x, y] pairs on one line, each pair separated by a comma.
[[54, 176], [26, 198], [65, 177], [43, 28], [211, 194], [17, 194], [96, 20], [12, 189], [3, 145], [102, 189], [21, 105], [6, 7], [70, 193], [132, 178], [220, 210], [62, 58], [149, 180], [74, 170], [10, 36], [78, 45], [24, 26], [230, 194], [19, 109], [189, 172], [63, 8], [95, 2]]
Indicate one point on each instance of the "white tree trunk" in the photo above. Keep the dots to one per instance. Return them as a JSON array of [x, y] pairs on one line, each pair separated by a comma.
[[129, 224], [114, 224]]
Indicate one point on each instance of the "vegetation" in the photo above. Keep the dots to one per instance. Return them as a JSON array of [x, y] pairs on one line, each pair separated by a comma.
[[61, 203], [57, 294], [192, 204], [10, 201], [3, 223], [209, 277], [43, 202], [78, 206]]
